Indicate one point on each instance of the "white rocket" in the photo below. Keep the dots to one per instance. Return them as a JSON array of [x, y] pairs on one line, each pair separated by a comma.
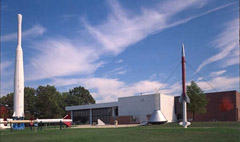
[[18, 110], [184, 99]]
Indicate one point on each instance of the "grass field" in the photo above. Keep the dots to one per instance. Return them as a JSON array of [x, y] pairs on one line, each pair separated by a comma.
[[202, 132]]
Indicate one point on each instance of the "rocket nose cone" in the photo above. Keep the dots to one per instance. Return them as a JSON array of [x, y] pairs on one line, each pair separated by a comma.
[[19, 18], [19, 15], [183, 50]]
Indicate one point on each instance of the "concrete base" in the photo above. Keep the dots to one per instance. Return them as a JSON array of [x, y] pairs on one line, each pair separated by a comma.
[[18, 126]]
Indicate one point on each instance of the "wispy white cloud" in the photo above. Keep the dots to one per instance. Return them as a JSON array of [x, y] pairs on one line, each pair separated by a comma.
[[36, 30], [60, 57], [220, 83], [227, 42], [119, 61], [67, 17], [122, 29], [5, 65], [6, 87], [153, 76], [6, 77], [6, 71], [232, 59], [117, 71], [217, 73], [109, 89], [177, 6], [121, 72]]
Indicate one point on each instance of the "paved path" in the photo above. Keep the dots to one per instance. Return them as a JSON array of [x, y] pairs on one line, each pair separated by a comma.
[[104, 126]]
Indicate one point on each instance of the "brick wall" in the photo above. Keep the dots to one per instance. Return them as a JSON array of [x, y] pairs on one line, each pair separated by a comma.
[[214, 112]]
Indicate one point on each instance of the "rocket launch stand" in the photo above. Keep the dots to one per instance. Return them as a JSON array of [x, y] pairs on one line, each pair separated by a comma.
[[18, 126]]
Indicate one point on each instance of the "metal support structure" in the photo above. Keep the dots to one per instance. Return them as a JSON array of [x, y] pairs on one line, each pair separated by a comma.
[[72, 116], [90, 117], [113, 111], [11, 126]]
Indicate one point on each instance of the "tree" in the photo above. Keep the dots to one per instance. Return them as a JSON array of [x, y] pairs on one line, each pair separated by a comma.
[[79, 96], [8, 102], [29, 102], [47, 103], [62, 104], [3, 112], [198, 100]]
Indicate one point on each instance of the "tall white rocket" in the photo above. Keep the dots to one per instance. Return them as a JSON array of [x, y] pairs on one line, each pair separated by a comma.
[[18, 110], [184, 99]]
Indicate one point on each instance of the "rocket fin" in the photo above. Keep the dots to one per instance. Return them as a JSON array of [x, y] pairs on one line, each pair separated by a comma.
[[184, 123], [186, 98]]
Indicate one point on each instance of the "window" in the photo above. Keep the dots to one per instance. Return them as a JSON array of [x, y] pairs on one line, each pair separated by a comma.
[[103, 114], [81, 116]]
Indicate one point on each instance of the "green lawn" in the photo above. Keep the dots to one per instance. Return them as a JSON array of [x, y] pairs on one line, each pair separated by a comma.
[[205, 132]]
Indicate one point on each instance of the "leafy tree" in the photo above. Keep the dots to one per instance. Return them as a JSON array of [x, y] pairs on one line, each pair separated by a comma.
[[29, 101], [47, 102], [79, 96], [62, 104], [3, 112], [198, 100], [8, 102]]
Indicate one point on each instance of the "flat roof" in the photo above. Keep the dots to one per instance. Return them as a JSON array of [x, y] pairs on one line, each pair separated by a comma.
[[135, 96], [91, 106]]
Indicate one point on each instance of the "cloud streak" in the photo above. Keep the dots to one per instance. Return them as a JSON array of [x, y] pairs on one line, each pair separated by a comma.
[[5, 65], [36, 30], [220, 83], [227, 42], [6, 77], [121, 29], [60, 57], [217, 73]]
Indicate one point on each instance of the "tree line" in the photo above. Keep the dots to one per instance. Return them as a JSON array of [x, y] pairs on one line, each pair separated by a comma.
[[47, 102]]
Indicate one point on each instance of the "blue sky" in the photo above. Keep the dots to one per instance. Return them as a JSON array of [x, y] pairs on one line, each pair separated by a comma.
[[122, 48]]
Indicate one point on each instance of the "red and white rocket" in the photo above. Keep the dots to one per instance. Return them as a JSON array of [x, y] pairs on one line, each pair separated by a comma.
[[18, 110], [184, 99]]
